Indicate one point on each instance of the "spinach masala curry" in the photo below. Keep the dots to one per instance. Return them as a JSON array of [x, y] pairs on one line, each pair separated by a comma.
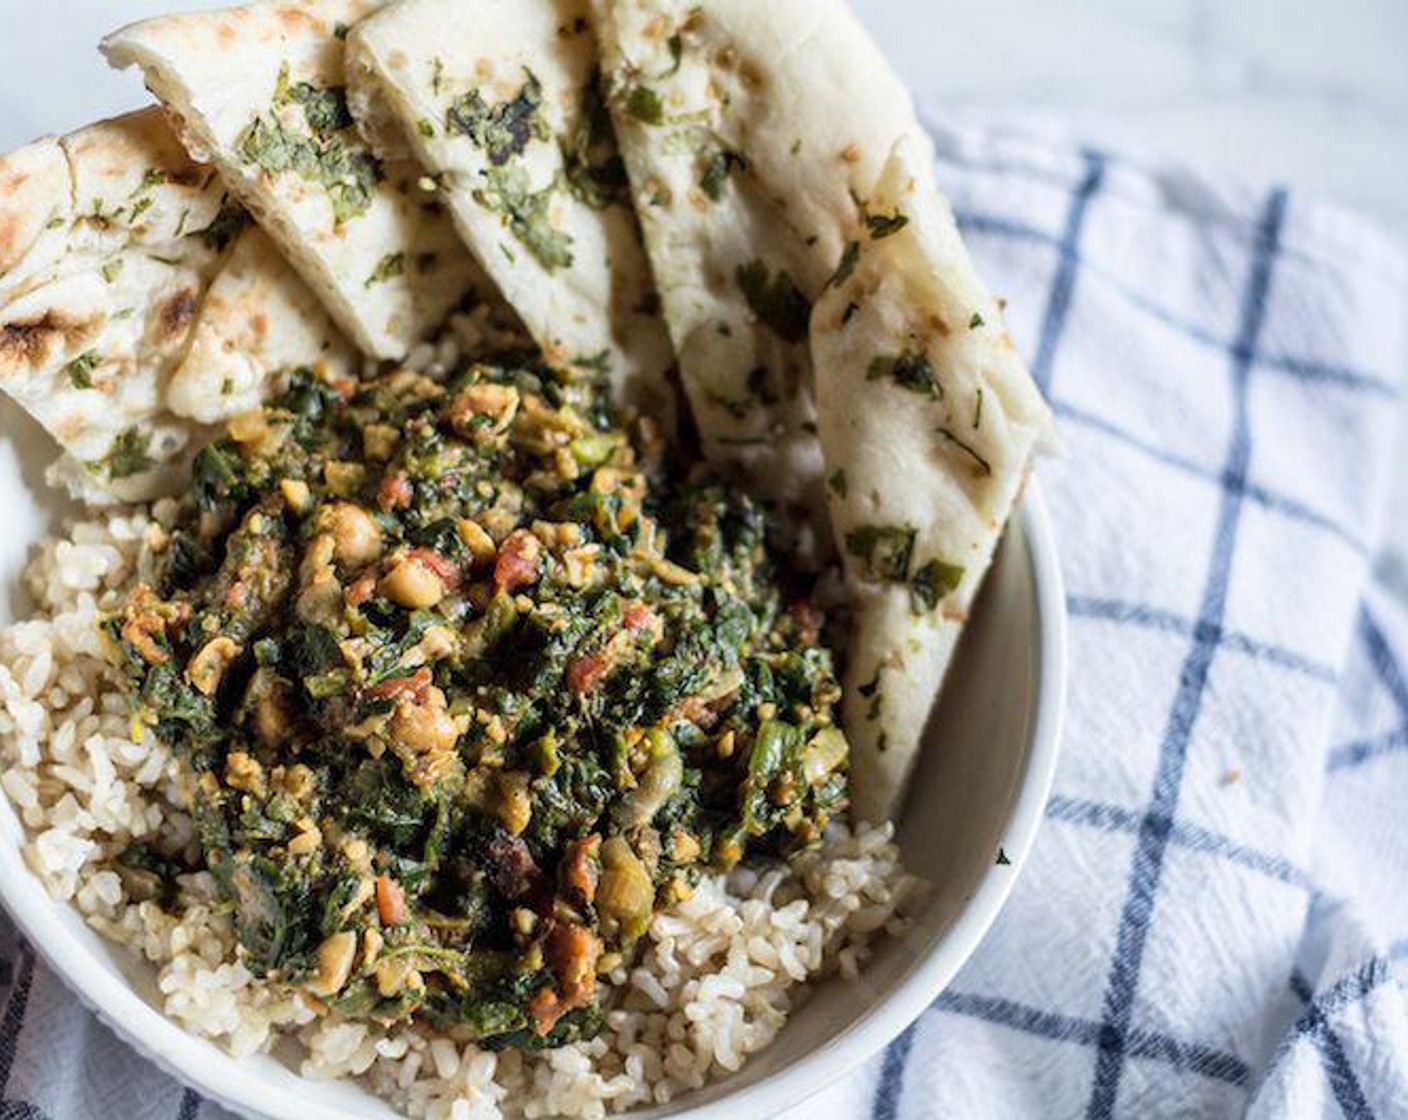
[[466, 683]]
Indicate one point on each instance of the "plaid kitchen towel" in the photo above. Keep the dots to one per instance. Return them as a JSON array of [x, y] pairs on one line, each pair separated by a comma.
[[1211, 919]]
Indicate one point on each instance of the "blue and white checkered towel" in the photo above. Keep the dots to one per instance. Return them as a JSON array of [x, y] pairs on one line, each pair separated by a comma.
[[1210, 919]]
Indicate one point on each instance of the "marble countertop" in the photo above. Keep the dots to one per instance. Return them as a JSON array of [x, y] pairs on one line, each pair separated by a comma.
[[1309, 93]]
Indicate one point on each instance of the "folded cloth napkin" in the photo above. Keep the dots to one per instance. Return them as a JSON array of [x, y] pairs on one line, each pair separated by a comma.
[[1207, 924]]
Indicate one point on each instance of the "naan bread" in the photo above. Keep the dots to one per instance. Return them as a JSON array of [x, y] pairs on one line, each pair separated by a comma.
[[124, 271], [102, 264], [748, 127], [499, 100], [258, 320], [260, 93], [928, 422]]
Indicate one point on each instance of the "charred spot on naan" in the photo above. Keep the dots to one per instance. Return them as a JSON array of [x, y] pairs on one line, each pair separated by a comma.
[[175, 316], [27, 343]]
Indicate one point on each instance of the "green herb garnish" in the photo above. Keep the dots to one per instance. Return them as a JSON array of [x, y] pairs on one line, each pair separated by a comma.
[[910, 370], [391, 265], [883, 225], [503, 131], [931, 584], [980, 465], [224, 227], [645, 105], [80, 369], [129, 454], [717, 170], [507, 193], [331, 155], [775, 300], [885, 549]]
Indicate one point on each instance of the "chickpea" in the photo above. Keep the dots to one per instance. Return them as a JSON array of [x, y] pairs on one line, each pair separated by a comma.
[[320, 595], [355, 533], [475, 538], [244, 773], [425, 727], [513, 803], [379, 441], [249, 427], [372, 944], [344, 479], [483, 411], [439, 642], [271, 717], [392, 975], [296, 494], [207, 668], [334, 963], [306, 842], [411, 584]]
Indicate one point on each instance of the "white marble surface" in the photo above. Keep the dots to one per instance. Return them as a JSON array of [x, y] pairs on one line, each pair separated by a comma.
[[1309, 92]]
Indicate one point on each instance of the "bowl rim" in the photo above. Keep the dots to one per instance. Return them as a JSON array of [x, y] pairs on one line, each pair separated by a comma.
[[240, 1088]]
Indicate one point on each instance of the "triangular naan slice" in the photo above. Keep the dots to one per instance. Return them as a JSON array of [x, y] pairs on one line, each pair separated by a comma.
[[257, 321], [747, 126], [499, 99], [260, 92], [112, 242], [928, 421]]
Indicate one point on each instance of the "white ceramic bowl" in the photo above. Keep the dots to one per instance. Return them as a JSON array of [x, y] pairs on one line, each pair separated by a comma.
[[981, 785]]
